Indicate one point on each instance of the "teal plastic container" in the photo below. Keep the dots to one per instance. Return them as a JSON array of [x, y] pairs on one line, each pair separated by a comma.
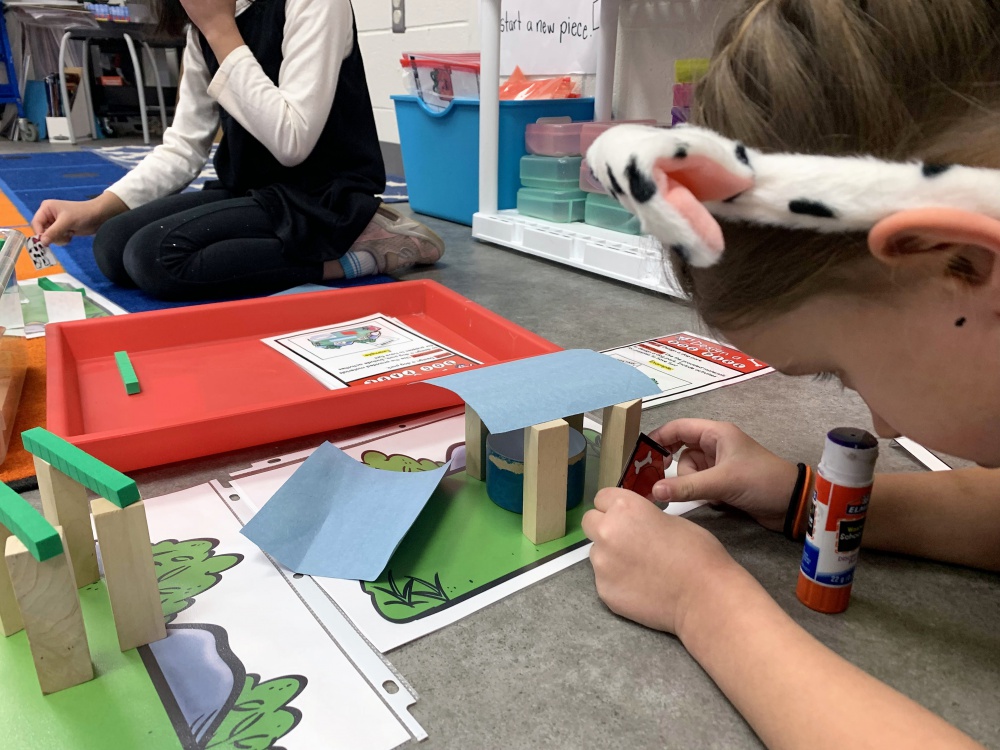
[[605, 211], [441, 150], [557, 173], [562, 207]]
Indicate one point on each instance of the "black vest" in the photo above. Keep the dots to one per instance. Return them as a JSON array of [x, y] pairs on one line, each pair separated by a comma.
[[320, 206]]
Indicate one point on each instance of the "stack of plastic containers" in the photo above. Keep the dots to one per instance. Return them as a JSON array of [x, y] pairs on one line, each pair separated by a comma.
[[557, 182], [550, 173], [601, 210]]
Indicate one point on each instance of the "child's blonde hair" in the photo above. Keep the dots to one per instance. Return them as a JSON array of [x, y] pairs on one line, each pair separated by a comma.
[[897, 79]]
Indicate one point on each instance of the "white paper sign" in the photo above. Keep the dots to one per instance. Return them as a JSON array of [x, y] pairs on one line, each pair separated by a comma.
[[549, 37], [64, 306]]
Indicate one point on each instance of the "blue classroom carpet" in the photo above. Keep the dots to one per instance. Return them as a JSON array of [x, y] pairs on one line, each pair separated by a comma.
[[29, 179]]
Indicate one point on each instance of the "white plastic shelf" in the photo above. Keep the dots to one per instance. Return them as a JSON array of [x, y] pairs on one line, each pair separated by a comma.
[[633, 259]]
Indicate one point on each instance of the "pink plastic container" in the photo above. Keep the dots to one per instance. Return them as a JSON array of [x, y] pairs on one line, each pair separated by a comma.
[[591, 130], [683, 94], [587, 183], [550, 138]]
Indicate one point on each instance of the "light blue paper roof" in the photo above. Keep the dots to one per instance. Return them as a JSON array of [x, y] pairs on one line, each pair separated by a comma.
[[515, 395], [338, 518]]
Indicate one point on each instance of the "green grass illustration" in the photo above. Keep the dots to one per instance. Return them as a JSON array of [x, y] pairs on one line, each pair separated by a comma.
[[463, 544], [261, 715]]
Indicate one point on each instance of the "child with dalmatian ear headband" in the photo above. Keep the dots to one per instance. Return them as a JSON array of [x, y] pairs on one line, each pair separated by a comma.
[[833, 241], [931, 262], [678, 181]]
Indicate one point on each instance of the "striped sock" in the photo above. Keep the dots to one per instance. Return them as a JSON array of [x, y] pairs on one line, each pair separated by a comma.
[[358, 263]]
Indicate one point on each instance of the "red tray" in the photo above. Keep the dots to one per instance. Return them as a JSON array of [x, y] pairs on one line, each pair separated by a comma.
[[209, 385]]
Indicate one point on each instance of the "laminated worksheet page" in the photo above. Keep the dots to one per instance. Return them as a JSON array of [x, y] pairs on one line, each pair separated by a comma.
[[366, 351], [684, 364]]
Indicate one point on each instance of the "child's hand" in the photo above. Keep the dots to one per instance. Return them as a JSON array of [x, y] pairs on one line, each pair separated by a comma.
[[721, 464], [650, 566], [211, 16], [59, 221]]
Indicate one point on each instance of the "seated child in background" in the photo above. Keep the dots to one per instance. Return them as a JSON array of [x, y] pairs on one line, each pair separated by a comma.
[[299, 164]]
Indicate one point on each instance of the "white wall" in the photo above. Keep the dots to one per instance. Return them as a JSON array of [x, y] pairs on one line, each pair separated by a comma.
[[652, 35], [431, 26]]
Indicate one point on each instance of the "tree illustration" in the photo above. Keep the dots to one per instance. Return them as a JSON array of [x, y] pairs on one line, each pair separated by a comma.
[[396, 462], [261, 715], [186, 569]]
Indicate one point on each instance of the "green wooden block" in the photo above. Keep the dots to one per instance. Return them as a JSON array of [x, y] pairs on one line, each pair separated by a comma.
[[93, 474], [49, 285], [28, 525], [125, 369]]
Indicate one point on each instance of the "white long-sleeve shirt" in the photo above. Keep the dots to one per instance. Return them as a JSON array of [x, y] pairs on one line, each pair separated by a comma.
[[287, 119]]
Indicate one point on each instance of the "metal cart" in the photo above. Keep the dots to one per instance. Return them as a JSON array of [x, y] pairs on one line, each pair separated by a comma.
[[10, 91]]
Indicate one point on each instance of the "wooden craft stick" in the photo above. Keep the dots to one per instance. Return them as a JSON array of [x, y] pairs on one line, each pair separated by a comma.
[[475, 445], [129, 572], [64, 503], [576, 422], [546, 470], [10, 612], [53, 621], [619, 433]]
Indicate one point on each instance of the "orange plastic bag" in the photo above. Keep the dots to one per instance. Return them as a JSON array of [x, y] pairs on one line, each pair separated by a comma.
[[518, 88]]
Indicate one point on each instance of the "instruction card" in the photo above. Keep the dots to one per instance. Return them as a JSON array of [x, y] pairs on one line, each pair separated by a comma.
[[366, 351], [683, 364], [549, 37]]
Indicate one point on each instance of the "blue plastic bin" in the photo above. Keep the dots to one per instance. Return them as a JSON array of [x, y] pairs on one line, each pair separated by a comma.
[[441, 150]]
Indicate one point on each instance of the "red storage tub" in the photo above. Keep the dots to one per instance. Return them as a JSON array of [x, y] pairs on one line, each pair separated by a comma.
[[209, 385]]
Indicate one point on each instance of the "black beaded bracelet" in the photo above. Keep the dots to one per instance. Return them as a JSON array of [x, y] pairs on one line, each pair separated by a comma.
[[795, 502]]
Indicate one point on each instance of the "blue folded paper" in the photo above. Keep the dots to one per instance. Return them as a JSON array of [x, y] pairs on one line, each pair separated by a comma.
[[338, 518], [515, 395]]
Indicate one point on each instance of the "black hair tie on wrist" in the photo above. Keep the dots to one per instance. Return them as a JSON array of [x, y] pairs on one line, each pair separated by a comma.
[[795, 503]]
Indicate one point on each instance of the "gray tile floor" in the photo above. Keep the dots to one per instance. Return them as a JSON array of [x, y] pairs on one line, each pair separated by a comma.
[[551, 667]]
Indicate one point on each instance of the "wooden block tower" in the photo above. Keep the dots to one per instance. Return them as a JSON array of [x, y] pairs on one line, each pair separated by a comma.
[[65, 473], [38, 594], [545, 396], [546, 449]]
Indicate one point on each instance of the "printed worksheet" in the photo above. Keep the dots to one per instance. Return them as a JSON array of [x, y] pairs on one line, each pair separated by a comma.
[[365, 351], [683, 364]]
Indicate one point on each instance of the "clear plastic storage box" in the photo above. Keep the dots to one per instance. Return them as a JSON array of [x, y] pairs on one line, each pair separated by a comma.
[[604, 211], [560, 207], [591, 130], [555, 137], [560, 173]]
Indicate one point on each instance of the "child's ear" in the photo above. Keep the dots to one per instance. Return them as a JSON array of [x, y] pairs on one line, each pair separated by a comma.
[[969, 241]]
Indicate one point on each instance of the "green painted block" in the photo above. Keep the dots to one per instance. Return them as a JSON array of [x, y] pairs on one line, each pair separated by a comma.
[[125, 369], [93, 474], [50, 286], [28, 525]]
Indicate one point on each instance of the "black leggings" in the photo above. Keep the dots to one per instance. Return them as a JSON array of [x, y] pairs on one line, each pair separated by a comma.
[[203, 245]]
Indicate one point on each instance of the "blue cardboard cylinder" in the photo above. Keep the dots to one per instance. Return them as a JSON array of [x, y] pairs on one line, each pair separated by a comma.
[[505, 469]]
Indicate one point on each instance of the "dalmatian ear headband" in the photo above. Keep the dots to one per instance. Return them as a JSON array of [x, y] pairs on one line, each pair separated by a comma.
[[677, 181]]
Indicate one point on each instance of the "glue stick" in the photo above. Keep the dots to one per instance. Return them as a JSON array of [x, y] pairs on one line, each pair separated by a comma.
[[836, 519]]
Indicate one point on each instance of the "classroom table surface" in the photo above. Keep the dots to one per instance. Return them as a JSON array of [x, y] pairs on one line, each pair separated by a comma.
[[552, 667]]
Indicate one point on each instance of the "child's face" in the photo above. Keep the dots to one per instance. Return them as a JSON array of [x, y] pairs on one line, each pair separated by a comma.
[[921, 375]]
